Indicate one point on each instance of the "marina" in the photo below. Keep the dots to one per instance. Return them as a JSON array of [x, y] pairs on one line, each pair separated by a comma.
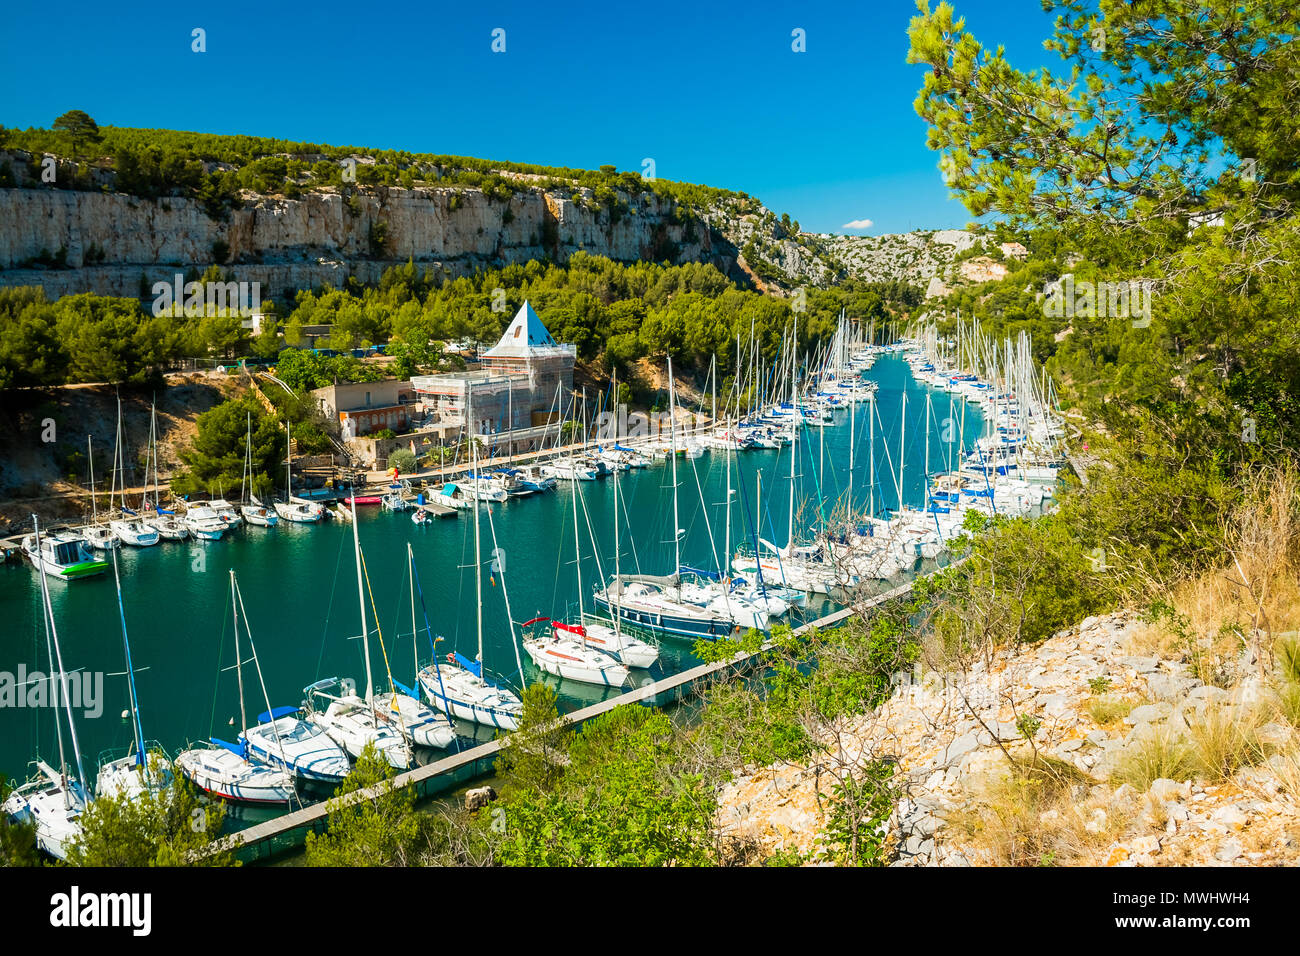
[[905, 441]]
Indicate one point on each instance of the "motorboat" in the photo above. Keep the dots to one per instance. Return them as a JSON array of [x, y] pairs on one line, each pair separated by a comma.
[[63, 555], [203, 523], [135, 532]]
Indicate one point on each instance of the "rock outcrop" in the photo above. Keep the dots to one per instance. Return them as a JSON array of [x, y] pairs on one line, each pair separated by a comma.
[[913, 257], [1098, 706]]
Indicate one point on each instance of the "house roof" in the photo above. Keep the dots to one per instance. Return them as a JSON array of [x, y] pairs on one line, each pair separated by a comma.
[[525, 335]]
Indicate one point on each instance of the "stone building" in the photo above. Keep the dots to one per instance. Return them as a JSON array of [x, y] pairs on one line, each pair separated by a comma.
[[521, 387]]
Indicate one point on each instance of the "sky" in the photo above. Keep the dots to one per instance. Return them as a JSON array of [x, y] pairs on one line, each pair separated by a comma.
[[713, 93]]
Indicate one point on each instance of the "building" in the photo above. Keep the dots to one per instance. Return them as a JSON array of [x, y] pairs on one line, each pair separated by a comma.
[[521, 387], [366, 407]]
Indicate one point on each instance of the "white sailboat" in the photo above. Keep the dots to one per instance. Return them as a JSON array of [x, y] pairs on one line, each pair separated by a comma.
[[457, 686], [354, 722], [144, 768], [225, 769], [297, 510], [166, 523], [562, 649], [128, 529], [282, 739], [253, 511], [97, 536], [52, 801], [677, 603]]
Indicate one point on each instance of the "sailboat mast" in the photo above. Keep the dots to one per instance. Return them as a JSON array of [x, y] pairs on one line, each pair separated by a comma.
[[48, 616], [577, 542], [58, 655], [902, 437], [672, 457], [794, 435], [90, 457], [130, 670], [153, 453], [288, 463], [852, 428], [361, 602], [618, 585], [415, 634], [478, 567], [239, 660], [871, 451]]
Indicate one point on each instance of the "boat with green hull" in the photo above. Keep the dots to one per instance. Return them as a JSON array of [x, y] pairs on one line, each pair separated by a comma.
[[64, 555]]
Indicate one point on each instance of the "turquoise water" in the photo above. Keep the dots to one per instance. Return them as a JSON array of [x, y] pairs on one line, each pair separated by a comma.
[[299, 583]]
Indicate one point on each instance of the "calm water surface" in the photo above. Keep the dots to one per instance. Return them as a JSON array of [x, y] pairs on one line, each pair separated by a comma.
[[299, 582]]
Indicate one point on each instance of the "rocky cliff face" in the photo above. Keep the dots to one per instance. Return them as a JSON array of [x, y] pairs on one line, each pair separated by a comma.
[[110, 240], [118, 244], [912, 257]]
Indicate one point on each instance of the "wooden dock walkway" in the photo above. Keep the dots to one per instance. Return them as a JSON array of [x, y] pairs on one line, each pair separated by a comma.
[[265, 840]]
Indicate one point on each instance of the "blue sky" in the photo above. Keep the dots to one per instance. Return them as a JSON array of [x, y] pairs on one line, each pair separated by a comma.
[[713, 93]]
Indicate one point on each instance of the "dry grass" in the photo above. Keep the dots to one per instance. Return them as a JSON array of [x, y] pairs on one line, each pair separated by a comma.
[[1163, 754], [1257, 589], [1223, 740], [1034, 818], [1108, 710]]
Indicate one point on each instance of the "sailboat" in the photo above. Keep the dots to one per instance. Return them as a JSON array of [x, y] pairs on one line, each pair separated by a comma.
[[353, 722], [611, 637], [96, 535], [678, 603], [565, 651], [128, 529], [811, 568], [297, 510], [457, 686], [225, 769], [424, 727], [254, 512], [144, 768], [168, 526], [52, 801], [284, 740]]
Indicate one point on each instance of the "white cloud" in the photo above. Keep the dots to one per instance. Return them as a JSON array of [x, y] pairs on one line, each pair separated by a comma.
[[858, 224]]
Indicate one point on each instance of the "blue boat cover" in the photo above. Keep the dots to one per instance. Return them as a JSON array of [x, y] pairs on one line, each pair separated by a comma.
[[711, 575], [474, 667], [266, 716], [240, 748], [406, 690]]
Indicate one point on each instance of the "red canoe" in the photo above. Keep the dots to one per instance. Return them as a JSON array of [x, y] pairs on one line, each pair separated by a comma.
[[363, 500]]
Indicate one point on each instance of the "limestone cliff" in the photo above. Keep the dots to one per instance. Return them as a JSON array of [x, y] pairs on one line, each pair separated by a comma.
[[116, 244]]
